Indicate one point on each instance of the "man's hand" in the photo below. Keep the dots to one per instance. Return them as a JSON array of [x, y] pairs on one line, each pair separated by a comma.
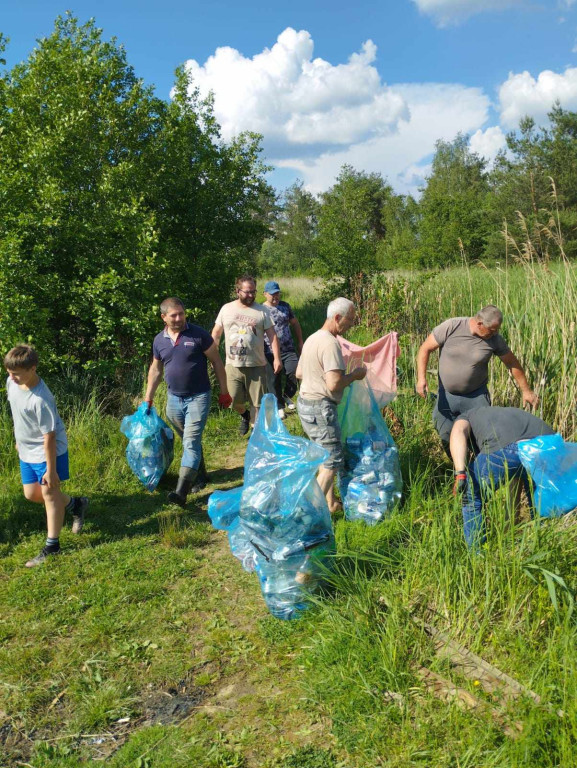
[[148, 406], [359, 373], [277, 367], [422, 388], [224, 400], [530, 398], [51, 480]]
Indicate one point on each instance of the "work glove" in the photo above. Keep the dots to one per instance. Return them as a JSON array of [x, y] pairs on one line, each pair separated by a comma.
[[460, 485], [224, 401]]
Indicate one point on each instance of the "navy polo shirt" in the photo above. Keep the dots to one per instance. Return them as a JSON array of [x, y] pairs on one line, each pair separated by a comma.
[[185, 364]]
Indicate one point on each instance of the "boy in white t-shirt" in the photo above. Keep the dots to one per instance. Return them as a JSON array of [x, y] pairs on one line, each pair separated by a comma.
[[42, 447]]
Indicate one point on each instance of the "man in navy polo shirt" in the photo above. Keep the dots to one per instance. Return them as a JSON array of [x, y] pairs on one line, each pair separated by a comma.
[[181, 350]]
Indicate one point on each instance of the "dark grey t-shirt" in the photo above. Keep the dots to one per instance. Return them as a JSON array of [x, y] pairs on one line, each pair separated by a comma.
[[464, 357], [494, 428]]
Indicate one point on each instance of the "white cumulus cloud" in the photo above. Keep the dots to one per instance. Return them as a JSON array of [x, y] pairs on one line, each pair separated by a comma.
[[295, 100], [522, 94], [446, 12], [316, 116], [487, 143], [437, 111]]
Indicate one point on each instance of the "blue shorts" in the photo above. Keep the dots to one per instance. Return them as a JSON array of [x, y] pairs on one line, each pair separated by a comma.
[[33, 473]]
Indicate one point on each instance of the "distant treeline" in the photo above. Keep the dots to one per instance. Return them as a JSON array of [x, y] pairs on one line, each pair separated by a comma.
[[524, 207], [111, 199]]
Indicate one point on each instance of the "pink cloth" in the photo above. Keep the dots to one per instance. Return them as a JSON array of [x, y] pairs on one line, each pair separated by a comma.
[[380, 358]]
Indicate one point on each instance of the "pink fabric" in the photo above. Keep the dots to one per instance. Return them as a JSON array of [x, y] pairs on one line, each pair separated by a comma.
[[380, 358]]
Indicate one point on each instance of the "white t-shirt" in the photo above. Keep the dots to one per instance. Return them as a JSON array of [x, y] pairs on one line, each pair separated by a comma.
[[244, 329], [35, 415]]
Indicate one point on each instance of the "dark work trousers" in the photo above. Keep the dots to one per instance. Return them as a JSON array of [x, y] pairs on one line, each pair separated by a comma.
[[289, 368], [450, 406]]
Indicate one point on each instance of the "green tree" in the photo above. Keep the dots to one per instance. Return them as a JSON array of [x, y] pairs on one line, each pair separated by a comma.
[[518, 185], [351, 224], [452, 211], [536, 175], [111, 198], [293, 247], [399, 248]]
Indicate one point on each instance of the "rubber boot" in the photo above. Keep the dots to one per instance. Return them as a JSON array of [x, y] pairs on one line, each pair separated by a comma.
[[186, 478], [202, 479]]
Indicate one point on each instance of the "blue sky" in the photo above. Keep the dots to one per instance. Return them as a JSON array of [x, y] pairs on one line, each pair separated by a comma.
[[373, 84]]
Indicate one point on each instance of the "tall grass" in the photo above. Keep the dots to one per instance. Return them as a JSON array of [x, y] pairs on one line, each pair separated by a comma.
[[539, 302], [146, 596]]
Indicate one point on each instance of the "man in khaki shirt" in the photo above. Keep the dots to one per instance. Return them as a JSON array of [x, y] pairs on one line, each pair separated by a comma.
[[322, 372]]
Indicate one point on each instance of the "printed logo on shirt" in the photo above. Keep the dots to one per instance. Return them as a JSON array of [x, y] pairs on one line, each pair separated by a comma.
[[189, 343]]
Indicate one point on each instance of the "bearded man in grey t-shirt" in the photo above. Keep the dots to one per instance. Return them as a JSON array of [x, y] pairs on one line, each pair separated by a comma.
[[466, 345]]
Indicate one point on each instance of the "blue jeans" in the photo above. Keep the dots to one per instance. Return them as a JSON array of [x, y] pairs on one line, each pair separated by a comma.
[[487, 473], [188, 416]]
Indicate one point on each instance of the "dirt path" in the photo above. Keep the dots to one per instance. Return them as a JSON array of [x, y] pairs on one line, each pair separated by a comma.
[[243, 682]]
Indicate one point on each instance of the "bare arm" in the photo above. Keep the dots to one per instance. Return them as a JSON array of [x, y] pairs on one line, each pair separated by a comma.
[[296, 326], [216, 333], [518, 374], [273, 338], [50, 478], [429, 345], [459, 444], [154, 378], [336, 381], [218, 368]]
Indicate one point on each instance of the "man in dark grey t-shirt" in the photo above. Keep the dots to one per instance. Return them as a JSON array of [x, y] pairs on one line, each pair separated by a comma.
[[497, 433], [466, 345]]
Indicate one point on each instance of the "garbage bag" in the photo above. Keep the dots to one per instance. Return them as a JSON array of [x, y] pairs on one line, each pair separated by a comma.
[[150, 448], [278, 522], [371, 483], [380, 360], [552, 464]]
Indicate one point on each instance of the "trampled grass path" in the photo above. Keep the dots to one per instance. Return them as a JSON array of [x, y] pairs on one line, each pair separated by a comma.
[[146, 640]]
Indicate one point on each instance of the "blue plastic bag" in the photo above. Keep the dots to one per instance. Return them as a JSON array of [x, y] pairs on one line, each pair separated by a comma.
[[278, 522], [552, 464], [371, 483], [150, 449]]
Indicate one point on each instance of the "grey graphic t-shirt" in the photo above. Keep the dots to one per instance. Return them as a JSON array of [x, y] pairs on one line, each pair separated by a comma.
[[281, 315]]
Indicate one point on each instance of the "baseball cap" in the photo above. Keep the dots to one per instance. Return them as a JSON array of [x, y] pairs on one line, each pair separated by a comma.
[[271, 287]]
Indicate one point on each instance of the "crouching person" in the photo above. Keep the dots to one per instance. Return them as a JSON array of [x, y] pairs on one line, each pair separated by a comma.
[[42, 447], [322, 369], [494, 434], [181, 351]]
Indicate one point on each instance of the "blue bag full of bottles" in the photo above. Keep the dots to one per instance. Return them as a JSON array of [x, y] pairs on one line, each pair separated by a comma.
[[150, 446], [552, 464], [278, 522], [371, 483]]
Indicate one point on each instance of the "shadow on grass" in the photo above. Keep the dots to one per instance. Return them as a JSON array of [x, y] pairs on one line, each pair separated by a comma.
[[113, 516]]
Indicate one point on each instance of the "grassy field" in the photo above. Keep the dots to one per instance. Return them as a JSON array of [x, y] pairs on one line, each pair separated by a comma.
[[146, 646]]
